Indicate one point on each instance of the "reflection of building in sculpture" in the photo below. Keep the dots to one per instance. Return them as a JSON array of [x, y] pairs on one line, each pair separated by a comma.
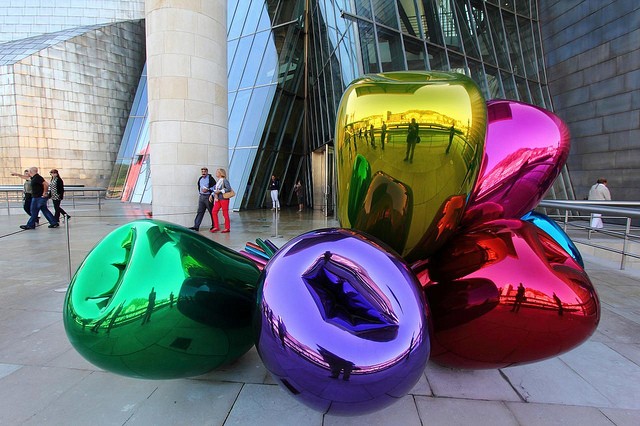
[[320, 355], [518, 163]]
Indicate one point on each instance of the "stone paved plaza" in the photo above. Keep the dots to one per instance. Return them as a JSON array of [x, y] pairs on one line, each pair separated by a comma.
[[44, 381]]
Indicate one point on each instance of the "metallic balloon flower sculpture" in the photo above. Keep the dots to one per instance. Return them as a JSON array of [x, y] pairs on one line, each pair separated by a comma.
[[157, 301], [439, 255]]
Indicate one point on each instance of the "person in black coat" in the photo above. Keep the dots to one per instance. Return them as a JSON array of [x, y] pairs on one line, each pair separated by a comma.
[[274, 187], [56, 193]]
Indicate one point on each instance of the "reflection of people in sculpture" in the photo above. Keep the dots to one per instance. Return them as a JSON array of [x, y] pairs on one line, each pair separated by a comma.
[[282, 331], [599, 191], [150, 306], [372, 136], [383, 134], [336, 364], [171, 298], [412, 139], [519, 298], [114, 317], [559, 303], [451, 133], [353, 139]]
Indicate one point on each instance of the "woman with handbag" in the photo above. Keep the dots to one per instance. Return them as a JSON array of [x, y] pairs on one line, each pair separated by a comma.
[[222, 192], [56, 193]]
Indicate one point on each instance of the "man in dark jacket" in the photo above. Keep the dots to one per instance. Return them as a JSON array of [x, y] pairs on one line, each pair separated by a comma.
[[205, 185], [39, 189]]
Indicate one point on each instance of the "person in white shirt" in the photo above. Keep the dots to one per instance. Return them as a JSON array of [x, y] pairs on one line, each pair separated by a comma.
[[599, 191]]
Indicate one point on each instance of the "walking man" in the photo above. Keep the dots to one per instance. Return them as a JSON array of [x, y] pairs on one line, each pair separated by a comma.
[[39, 191], [206, 182]]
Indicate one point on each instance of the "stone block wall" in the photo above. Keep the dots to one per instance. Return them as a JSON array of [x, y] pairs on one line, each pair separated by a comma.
[[70, 104], [592, 53]]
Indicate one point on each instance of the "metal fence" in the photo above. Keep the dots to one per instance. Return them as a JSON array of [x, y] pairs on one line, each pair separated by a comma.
[[619, 216], [12, 196]]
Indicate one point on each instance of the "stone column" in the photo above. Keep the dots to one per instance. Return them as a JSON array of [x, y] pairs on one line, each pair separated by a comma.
[[187, 89]]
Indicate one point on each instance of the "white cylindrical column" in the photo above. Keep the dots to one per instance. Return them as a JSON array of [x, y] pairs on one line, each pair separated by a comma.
[[187, 94]]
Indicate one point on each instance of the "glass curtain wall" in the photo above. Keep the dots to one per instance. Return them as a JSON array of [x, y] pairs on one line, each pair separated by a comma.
[[130, 180], [495, 42], [273, 131]]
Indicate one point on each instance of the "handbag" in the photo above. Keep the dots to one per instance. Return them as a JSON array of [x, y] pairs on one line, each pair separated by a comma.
[[229, 194]]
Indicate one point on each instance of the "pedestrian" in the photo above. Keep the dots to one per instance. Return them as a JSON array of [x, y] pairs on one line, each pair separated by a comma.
[[372, 136], [26, 191], [219, 201], [56, 193], [299, 191], [205, 185], [413, 132], [39, 190], [274, 187], [383, 134], [599, 192]]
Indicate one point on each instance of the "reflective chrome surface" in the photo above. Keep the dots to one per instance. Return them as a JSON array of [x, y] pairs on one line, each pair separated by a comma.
[[554, 230], [506, 293], [341, 322], [419, 136], [525, 149], [155, 300]]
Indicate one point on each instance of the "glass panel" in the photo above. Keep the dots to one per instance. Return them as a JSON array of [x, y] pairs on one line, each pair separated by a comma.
[[237, 116], [534, 9], [253, 17], [448, 24], [536, 94], [493, 83], [539, 52], [231, 10], [523, 90], [458, 64], [265, 21], [467, 28], [499, 40], [547, 98], [414, 50], [235, 71], [385, 12], [408, 17], [284, 10], [140, 103], [269, 66], [507, 4], [437, 58], [142, 138], [255, 54], [232, 48], [391, 52], [509, 86], [363, 8], [256, 115], [483, 32], [515, 51], [528, 52], [368, 47], [477, 74], [240, 171], [430, 20], [238, 19], [523, 7]]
